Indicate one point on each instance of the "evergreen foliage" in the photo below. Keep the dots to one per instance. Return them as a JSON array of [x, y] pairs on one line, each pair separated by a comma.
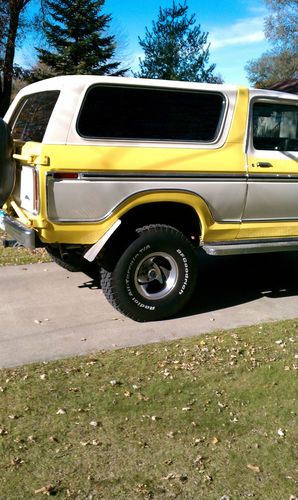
[[76, 32], [176, 48]]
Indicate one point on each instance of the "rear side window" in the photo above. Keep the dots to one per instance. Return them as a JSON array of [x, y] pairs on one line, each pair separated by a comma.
[[275, 126], [32, 116], [118, 112]]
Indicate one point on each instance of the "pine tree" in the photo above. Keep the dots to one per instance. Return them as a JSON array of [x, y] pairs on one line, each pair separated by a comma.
[[176, 48], [76, 33]]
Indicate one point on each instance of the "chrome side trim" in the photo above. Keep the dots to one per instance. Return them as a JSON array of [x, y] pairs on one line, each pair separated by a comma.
[[271, 219], [246, 247], [133, 175], [254, 178]]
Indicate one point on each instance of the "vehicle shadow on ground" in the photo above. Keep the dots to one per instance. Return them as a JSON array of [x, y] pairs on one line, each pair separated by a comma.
[[233, 280], [224, 282]]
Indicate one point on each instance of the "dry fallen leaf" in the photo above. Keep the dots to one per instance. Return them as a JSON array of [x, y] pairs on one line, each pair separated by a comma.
[[253, 467], [171, 434], [45, 490], [141, 397], [16, 461], [53, 439], [114, 382], [85, 443], [215, 440], [61, 411], [174, 475]]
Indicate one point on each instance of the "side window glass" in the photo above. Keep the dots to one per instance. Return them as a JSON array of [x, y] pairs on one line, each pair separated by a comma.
[[123, 112], [30, 121], [275, 126]]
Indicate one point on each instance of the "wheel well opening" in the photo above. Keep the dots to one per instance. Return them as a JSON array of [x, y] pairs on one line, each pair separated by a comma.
[[178, 215], [181, 216]]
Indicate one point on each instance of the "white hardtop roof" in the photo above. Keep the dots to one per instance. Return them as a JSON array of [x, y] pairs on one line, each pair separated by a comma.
[[82, 81], [62, 124], [78, 83]]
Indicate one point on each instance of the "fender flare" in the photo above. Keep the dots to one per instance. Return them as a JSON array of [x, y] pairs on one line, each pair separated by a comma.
[[193, 201]]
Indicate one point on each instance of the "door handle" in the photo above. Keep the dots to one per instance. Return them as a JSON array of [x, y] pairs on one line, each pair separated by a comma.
[[264, 164]]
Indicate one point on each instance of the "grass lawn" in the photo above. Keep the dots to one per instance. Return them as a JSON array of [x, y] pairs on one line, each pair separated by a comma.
[[21, 256], [212, 417]]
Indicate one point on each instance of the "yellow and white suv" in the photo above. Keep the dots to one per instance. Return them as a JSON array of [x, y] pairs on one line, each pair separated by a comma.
[[134, 175]]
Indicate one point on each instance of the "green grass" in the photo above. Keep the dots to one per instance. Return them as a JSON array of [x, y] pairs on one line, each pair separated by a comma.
[[196, 419], [21, 256]]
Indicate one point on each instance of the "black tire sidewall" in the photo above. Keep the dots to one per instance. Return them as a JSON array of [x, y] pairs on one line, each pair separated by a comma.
[[131, 301], [4, 144]]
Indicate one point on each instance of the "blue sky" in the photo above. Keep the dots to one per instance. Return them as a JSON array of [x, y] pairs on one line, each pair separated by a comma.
[[235, 31]]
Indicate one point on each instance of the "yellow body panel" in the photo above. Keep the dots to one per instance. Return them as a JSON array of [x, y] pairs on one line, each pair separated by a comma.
[[259, 230], [89, 233], [229, 158]]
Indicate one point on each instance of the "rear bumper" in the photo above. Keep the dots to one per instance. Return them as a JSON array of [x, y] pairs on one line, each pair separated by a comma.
[[16, 230]]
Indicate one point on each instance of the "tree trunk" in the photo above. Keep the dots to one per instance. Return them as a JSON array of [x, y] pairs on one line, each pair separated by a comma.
[[14, 16]]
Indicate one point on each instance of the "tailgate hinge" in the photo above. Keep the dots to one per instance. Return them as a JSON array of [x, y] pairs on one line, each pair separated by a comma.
[[33, 159]]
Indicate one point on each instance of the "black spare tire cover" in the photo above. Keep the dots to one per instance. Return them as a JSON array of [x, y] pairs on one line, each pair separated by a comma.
[[7, 164]]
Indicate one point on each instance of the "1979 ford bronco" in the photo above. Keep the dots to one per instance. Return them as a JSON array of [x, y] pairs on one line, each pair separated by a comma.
[[134, 175]]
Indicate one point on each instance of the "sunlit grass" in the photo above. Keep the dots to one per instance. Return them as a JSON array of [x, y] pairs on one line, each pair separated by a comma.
[[200, 418], [21, 256]]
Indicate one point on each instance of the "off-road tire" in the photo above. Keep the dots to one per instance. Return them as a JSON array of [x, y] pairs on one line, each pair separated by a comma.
[[155, 276]]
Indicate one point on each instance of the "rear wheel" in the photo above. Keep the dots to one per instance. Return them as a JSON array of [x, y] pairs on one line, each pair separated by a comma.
[[7, 164], [154, 277]]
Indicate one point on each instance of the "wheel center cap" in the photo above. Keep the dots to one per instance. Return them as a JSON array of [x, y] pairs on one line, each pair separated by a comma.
[[152, 274]]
